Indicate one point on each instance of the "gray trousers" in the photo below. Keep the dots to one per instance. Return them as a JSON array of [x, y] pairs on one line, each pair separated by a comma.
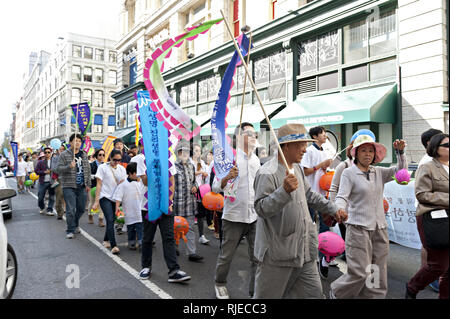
[[59, 201], [191, 247], [366, 252], [273, 282], [232, 235]]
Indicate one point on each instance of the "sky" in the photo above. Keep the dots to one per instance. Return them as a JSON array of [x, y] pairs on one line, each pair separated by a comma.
[[35, 25]]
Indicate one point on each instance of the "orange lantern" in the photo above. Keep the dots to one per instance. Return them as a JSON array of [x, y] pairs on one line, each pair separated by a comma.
[[325, 181], [124, 165], [385, 205], [180, 228], [212, 201]]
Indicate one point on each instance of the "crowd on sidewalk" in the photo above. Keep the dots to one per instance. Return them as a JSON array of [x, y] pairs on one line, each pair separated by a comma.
[[272, 201]]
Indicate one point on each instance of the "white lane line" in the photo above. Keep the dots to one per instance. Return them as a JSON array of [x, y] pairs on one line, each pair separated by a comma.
[[133, 272]]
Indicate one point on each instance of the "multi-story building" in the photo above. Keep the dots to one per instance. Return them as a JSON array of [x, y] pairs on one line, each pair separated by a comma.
[[342, 64], [81, 69]]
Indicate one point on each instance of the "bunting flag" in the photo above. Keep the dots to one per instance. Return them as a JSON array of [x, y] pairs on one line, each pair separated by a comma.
[[108, 146], [222, 151], [15, 148], [156, 150], [84, 116], [137, 131], [174, 119], [87, 144]]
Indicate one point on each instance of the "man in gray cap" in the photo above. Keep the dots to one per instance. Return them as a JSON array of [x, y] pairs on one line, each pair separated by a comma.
[[286, 239]]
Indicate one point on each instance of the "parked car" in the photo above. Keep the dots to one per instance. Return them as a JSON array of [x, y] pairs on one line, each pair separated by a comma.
[[6, 204], [8, 260]]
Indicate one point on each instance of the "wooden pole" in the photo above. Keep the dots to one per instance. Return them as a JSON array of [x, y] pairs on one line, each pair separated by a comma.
[[245, 83], [76, 130], [257, 95]]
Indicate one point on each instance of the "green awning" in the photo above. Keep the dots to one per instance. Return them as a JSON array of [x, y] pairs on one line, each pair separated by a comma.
[[377, 104], [252, 114]]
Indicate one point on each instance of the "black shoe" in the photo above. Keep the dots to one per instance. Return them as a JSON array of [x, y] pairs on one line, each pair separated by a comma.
[[409, 294], [179, 276], [59, 217], [195, 257], [323, 271]]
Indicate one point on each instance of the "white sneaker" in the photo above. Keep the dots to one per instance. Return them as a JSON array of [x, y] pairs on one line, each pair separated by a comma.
[[203, 240], [77, 230], [70, 236], [333, 263], [42, 211], [50, 214], [222, 292]]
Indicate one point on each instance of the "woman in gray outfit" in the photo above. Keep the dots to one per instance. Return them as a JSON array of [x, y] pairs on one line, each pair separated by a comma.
[[367, 242]]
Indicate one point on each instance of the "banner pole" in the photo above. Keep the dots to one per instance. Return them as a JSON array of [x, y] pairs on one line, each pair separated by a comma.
[[256, 93], [76, 129], [245, 82]]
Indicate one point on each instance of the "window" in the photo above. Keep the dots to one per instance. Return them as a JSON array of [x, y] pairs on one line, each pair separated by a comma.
[[76, 51], [383, 69], [111, 123], [355, 41], [98, 123], [98, 99], [87, 74], [355, 75], [236, 30], [88, 52], [76, 73], [111, 99], [383, 35], [131, 114], [188, 94], [98, 76], [121, 116], [76, 96], [328, 81], [99, 54], [319, 52], [112, 77], [87, 96], [113, 56], [277, 66], [133, 71]]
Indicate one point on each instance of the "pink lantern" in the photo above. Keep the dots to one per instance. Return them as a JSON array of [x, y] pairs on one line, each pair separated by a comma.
[[204, 189], [331, 245], [402, 177]]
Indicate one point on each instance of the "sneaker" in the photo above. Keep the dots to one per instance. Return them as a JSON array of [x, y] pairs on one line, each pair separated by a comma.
[[59, 217], [435, 285], [77, 230], [42, 211], [203, 240], [195, 257], [179, 276], [144, 273], [333, 263], [101, 223], [115, 250], [70, 236], [211, 227], [106, 244], [221, 292], [323, 271], [90, 219], [50, 214], [54, 184], [132, 247], [409, 294]]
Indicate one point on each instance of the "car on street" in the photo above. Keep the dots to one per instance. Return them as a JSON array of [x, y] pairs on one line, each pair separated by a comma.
[[8, 260], [6, 204]]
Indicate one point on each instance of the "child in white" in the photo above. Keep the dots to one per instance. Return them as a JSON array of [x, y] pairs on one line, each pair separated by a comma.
[[129, 195]]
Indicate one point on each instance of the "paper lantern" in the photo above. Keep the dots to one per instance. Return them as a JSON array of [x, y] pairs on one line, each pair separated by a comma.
[[331, 245], [385, 205], [28, 182], [180, 228], [212, 201], [120, 216], [204, 189], [325, 181], [34, 176], [402, 177]]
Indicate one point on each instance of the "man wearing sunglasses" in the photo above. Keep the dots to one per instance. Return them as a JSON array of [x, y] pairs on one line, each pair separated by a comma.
[[44, 172]]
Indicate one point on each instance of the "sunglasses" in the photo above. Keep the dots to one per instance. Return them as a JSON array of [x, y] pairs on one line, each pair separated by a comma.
[[116, 160], [444, 145], [47, 152], [101, 155]]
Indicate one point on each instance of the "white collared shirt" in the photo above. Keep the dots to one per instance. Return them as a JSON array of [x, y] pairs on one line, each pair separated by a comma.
[[240, 209]]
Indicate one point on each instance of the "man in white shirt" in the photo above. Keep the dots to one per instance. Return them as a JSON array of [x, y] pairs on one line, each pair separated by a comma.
[[239, 215], [21, 173], [315, 164]]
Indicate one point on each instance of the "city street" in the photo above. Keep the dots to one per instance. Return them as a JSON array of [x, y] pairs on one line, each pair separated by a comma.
[[46, 263]]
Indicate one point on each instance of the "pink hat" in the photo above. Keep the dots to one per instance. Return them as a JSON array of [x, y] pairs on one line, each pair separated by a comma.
[[41, 154], [380, 149]]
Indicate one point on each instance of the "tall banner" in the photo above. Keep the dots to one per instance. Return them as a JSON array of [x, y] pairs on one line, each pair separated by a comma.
[[155, 138], [15, 148], [222, 151], [84, 116], [87, 145], [6, 152], [401, 217], [108, 146]]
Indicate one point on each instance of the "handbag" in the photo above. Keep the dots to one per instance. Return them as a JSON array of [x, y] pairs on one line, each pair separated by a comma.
[[436, 231]]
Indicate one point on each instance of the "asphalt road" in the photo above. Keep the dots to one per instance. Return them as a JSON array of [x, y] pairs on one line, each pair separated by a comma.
[[48, 263]]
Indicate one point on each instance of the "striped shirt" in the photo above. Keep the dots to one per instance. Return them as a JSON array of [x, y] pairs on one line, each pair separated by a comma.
[[184, 202], [362, 194]]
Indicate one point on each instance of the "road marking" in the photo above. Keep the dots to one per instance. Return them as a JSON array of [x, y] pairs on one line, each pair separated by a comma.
[[133, 272]]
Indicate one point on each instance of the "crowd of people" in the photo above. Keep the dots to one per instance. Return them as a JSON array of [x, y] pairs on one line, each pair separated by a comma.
[[273, 201]]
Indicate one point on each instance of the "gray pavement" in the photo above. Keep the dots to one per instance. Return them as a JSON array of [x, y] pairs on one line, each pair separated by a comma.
[[44, 254]]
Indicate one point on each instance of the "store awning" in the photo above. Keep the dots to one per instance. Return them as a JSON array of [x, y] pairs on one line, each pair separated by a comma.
[[377, 104], [252, 114]]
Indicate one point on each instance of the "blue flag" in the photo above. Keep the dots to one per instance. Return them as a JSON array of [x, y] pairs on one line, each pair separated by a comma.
[[84, 116], [155, 138], [14, 147], [222, 151]]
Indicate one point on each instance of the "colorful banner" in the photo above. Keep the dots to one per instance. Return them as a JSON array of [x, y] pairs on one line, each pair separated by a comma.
[[87, 144], [108, 146], [15, 149], [222, 151], [136, 142], [156, 150], [6, 152], [84, 116], [168, 111]]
